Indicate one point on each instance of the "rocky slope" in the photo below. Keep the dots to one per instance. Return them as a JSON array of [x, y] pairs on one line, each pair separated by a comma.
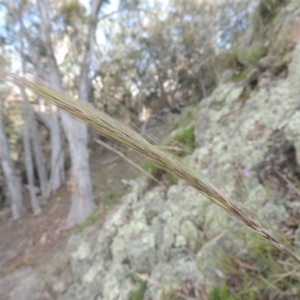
[[170, 243]]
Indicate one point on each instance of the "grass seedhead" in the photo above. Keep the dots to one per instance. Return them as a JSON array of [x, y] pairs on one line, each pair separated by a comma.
[[111, 127]]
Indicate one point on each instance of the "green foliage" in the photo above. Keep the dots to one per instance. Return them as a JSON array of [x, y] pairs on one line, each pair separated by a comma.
[[249, 56], [220, 293], [186, 137], [234, 58], [109, 198], [71, 11], [140, 292], [258, 275], [167, 49], [91, 219], [183, 139], [262, 255], [169, 295], [185, 117], [254, 54], [153, 169], [173, 178], [238, 76]]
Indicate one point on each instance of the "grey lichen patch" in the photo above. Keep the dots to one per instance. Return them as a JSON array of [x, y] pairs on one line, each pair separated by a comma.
[[83, 251], [168, 277], [190, 235], [117, 283], [153, 203], [118, 249], [215, 221], [256, 197], [90, 275], [207, 260], [234, 95]]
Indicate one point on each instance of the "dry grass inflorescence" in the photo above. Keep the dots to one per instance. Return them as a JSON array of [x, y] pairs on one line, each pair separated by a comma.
[[111, 127]]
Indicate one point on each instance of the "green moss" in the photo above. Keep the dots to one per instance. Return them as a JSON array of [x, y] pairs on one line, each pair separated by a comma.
[[109, 198], [153, 169], [238, 76], [173, 178], [220, 293], [249, 56], [169, 295], [95, 216], [186, 137], [254, 54], [166, 178], [234, 56], [140, 292], [186, 117]]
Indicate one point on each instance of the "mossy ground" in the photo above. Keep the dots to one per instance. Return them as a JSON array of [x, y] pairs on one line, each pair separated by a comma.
[[220, 293], [140, 292]]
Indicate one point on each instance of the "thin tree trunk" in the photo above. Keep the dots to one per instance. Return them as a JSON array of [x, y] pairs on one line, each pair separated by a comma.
[[10, 173], [57, 153], [81, 185], [38, 154], [28, 157], [31, 133], [82, 196], [57, 172]]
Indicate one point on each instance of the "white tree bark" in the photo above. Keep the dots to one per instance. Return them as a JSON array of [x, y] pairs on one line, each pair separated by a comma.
[[57, 173], [28, 156], [38, 154], [81, 185], [76, 132], [10, 173], [57, 176], [81, 208], [31, 132]]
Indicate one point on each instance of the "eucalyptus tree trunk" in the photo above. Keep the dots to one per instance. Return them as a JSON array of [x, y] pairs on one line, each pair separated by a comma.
[[28, 156], [31, 132], [10, 173], [57, 154], [57, 173], [80, 181], [38, 154], [81, 208]]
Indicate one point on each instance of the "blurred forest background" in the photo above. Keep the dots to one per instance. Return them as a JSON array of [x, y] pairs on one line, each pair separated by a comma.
[[137, 60]]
